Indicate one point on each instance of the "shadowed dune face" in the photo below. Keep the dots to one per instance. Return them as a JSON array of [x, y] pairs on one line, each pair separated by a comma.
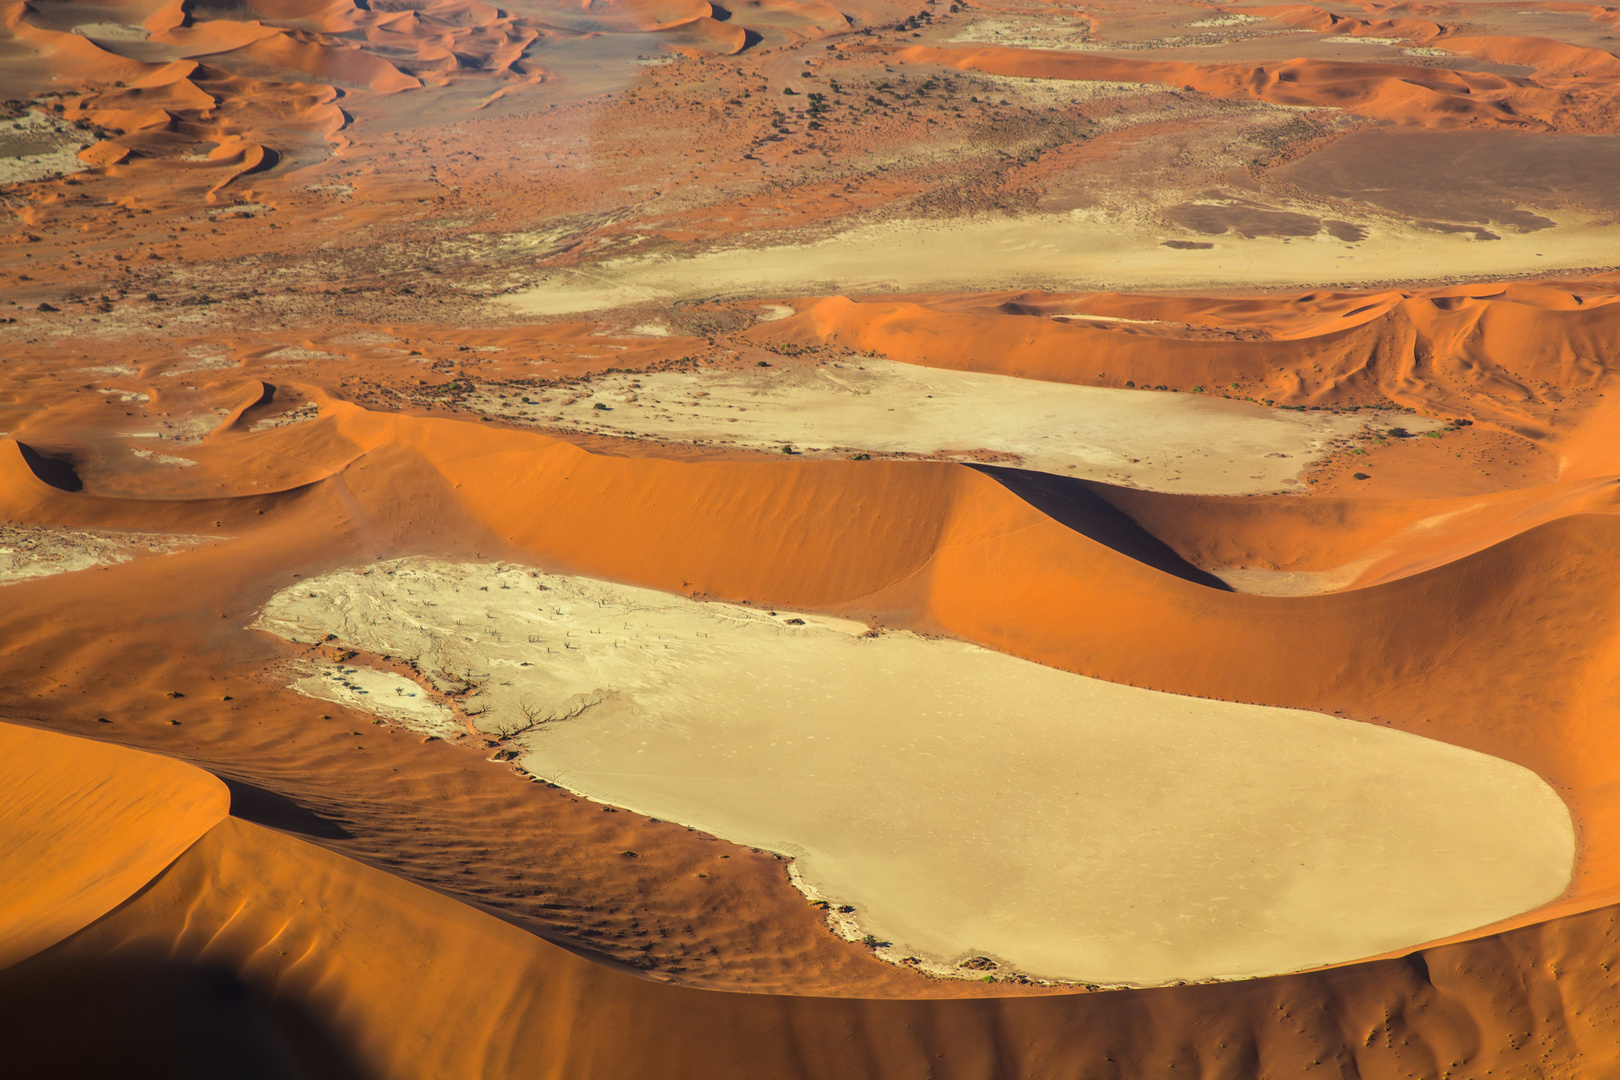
[[151, 1018], [1114, 495]]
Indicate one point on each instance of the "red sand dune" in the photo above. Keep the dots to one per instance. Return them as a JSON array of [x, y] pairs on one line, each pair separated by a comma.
[[1488, 353], [931, 546], [410, 983], [86, 825], [1422, 97], [942, 547]]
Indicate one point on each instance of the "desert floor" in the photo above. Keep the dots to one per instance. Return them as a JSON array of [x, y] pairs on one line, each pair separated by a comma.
[[780, 540]]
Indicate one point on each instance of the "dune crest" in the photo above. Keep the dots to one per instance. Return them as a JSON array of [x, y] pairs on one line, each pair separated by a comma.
[[1483, 354], [83, 826]]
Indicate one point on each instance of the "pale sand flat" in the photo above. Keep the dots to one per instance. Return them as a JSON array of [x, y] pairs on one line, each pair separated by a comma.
[[36, 551], [383, 693], [1078, 251], [1187, 443], [967, 802]]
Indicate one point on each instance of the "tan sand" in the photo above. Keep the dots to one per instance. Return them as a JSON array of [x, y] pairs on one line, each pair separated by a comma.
[[965, 802], [28, 552], [384, 693], [1079, 250], [1162, 441]]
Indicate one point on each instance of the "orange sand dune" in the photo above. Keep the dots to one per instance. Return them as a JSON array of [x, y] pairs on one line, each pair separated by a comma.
[[333, 968], [932, 546], [175, 24], [944, 547], [1492, 357], [250, 97], [83, 825], [1547, 56], [27, 497], [1381, 539], [165, 113], [296, 216], [339, 65], [1421, 97]]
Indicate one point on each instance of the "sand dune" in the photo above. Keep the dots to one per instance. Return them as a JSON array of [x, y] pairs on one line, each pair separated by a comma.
[[1478, 353], [951, 548], [938, 546], [954, 549], [259, 909], [1419, 96], [1284, 547], [819, 552], [86, 825]]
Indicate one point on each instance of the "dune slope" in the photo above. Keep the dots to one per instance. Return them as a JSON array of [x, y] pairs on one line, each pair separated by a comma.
[[341, 970], [83, 826]]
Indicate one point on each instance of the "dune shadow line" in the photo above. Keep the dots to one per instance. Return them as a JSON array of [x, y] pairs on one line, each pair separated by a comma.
[[264, 807], [1073, 504]]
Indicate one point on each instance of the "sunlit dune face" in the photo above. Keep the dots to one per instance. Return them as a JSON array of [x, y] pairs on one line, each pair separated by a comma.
[[85, 826], [962, 802]]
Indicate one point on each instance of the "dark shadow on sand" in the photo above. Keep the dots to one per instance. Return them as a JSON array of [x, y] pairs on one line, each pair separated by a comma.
[[1074, 504]]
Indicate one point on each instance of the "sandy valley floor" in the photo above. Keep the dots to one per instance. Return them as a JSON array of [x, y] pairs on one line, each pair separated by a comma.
[[1166, 442], [963, 803]]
